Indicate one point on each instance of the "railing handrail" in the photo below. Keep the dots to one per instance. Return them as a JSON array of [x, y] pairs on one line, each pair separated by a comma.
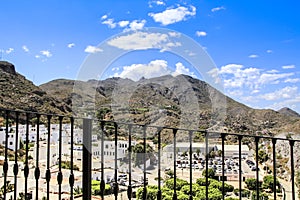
[[87, 131]]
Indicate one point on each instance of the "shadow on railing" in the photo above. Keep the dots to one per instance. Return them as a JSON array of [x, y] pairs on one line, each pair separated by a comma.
[[48, 156]]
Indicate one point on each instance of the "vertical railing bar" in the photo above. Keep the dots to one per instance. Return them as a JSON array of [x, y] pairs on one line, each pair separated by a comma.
[[86, 159], [48, 174], [223, 165], [59, 175], [159, 165], [5, 165], [292, 142], [175, 155], [26, 168], [129, 191], [37, 169], [191, 161], [71, 178], [16, 166], [274, 167], [240, 137], [206, 164], [102, 183], [256, 163], [116, 188], [144, 162]]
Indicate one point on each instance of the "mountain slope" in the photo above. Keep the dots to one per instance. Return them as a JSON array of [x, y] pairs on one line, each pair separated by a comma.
[[17, 92], [289, 112], [180, 101]]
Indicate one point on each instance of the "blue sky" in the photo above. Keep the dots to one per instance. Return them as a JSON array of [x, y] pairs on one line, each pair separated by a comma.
[[255, 45]]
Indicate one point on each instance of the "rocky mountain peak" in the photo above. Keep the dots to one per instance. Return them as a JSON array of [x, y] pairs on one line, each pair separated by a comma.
[[288, 112], [7, 67]]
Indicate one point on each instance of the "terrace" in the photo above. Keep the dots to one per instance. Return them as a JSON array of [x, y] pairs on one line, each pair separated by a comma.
[[115, 160]]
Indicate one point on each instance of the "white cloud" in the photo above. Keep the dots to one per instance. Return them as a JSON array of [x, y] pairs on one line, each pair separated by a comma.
[[269, 51], [230, 69], [255, 91], [218, 9], [9, 50], [155, 68], [292, 80], [266, 78], [236, 92], [181, 69], [236, 76], [272, 71], [173, 15], [154, 2], [123, 23], [92, 49], [137, 24], [160, 3], [25, 48], [253, 56], [288, 67], [46, 53], [292, 103], [174, 34], [142, 41], [110, 23], [201, 33], [71, 45], [104, 17], [284, 93], [115, 69]]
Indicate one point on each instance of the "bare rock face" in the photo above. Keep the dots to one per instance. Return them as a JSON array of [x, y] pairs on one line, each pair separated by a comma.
[[7, 67]]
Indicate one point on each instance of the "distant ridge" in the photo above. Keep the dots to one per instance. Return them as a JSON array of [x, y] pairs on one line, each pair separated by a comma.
[[289, 112], [158, 101]]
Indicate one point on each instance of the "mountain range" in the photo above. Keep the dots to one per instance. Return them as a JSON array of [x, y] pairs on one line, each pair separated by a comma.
[[180, 101]]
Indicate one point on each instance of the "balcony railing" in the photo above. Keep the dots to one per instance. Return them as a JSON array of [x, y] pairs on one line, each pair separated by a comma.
[[57, 157]]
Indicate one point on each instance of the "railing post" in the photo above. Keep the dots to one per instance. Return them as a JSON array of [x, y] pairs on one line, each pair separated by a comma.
[[274, 167], [292, 142], [86, 159]]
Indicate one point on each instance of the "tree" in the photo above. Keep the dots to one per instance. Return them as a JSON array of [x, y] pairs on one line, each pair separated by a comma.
[[251, 183], [195, 189], [170, 173], [202, 181], [262, 156], [268, 182], [262, 196], [209, 174], [9, 188], [179, 184], [151, 193]]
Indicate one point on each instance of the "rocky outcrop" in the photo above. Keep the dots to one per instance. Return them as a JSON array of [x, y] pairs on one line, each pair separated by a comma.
[[7, 67]]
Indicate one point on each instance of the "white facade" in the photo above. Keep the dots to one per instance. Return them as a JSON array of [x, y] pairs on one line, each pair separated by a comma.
[[11, 140], [109, 149], [182, 147], [233, 150]]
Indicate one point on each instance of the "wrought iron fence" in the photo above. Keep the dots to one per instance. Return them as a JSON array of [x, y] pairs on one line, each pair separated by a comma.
[[106, 146]]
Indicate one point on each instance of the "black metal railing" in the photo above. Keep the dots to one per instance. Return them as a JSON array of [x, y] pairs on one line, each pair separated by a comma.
[[110, 135]]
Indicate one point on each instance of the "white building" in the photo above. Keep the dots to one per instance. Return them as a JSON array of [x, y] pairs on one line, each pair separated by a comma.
[[233, 151], [182, 147], [11, 139], [109, 149]]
